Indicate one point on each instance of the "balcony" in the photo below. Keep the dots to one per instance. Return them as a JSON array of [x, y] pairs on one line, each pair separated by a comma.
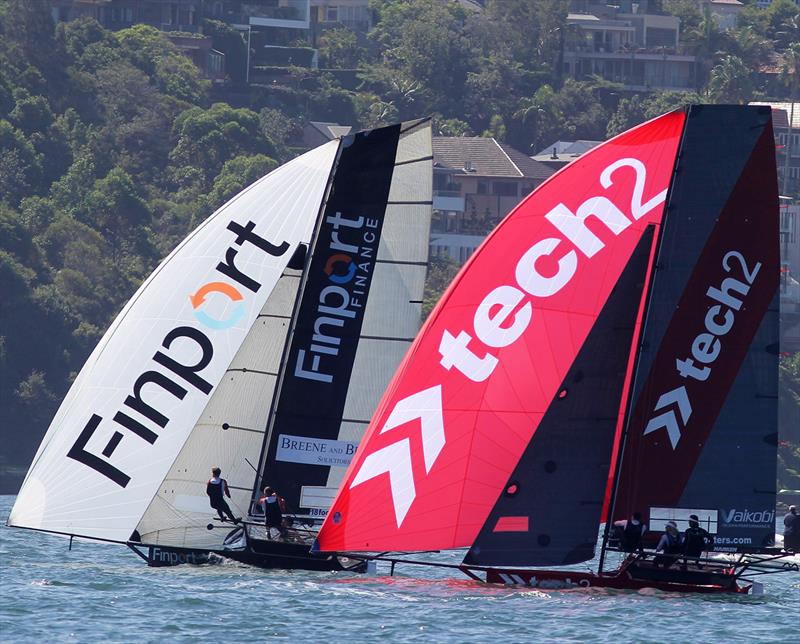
[[449, 200], [254, 14]]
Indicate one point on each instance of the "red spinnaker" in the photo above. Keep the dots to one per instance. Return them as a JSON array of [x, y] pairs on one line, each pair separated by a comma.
[[479, 377]]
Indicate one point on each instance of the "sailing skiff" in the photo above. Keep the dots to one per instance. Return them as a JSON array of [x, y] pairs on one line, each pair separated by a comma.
[[260, 345], [611, 348]]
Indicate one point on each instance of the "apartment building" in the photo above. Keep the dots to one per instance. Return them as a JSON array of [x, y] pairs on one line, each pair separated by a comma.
[[278, 32], [726, 12], [622, 43]]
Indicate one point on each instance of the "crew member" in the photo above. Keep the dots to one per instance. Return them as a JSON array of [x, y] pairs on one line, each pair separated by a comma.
[[791, 530], [631, 531], [670, 545], [217, 490], [273, 516], [695, 540]]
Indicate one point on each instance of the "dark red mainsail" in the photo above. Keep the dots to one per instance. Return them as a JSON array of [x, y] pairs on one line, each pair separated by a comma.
[[472, 391], [702, 435]]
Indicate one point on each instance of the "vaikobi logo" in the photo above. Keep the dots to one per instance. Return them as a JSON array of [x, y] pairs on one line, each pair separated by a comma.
[[735, 518], [706, 347]]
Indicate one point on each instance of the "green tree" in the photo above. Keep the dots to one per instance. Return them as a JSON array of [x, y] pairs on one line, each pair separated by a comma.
[[451, 127], [117, 210], [207, 138], [236, 175], [36, 397], [730, 81], [428, 42], [20, 166], [173, 74], [441, 271], [339, 49], [783, 26], [278, 129]]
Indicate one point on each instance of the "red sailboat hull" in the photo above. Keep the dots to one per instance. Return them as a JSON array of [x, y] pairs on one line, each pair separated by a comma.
[[631, 575]]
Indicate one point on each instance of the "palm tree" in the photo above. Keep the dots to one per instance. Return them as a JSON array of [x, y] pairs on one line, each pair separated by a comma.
[[706, 41], [730, 81]]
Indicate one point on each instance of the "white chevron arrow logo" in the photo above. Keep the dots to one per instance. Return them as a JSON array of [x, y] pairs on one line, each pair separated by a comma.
[[668, 420], [395, 459]]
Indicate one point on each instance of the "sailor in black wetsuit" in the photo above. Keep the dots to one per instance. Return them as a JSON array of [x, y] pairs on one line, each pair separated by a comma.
[[273, 515], [631, 532], [217, 490], [791, 530], [695, 540]]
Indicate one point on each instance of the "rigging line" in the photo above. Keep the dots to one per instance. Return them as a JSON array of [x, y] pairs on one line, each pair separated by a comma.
[[243, 429], [274, 315], [417, 160], [400, 262], [246, 370], [384, 338], [409, 203]]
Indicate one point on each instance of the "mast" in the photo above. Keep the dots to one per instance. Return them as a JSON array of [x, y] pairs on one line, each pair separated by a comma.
[[629, 404], [355, 314], [635, 371], [259, 474]]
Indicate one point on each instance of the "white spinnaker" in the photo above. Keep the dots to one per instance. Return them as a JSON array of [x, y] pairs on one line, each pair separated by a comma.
[[230, 430], [392, 314], [63, 495]]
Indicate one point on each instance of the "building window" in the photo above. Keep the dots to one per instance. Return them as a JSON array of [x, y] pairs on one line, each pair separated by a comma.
[[504, 188], [332, 14], [483, 188]]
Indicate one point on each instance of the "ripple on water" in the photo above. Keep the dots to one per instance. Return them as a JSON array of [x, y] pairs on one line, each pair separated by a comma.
[[97, 592]]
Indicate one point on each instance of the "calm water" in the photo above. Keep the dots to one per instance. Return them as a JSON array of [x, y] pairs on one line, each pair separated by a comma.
[[101, 592]]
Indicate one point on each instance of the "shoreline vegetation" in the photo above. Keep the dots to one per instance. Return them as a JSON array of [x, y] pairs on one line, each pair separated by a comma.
[[113, 147]]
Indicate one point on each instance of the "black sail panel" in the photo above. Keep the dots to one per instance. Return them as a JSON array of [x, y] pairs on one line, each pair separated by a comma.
[[329, 319], [702, 435], [550, 510]]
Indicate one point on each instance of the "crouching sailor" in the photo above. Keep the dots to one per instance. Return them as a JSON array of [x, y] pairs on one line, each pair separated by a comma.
[[671, 545], [273, 514], [217, 490]]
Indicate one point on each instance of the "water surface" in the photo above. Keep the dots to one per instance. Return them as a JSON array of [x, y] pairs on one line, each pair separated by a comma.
[[104, 593]]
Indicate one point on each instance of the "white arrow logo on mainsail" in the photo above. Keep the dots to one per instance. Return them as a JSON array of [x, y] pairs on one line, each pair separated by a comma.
[[395, 459], [668, 420]]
